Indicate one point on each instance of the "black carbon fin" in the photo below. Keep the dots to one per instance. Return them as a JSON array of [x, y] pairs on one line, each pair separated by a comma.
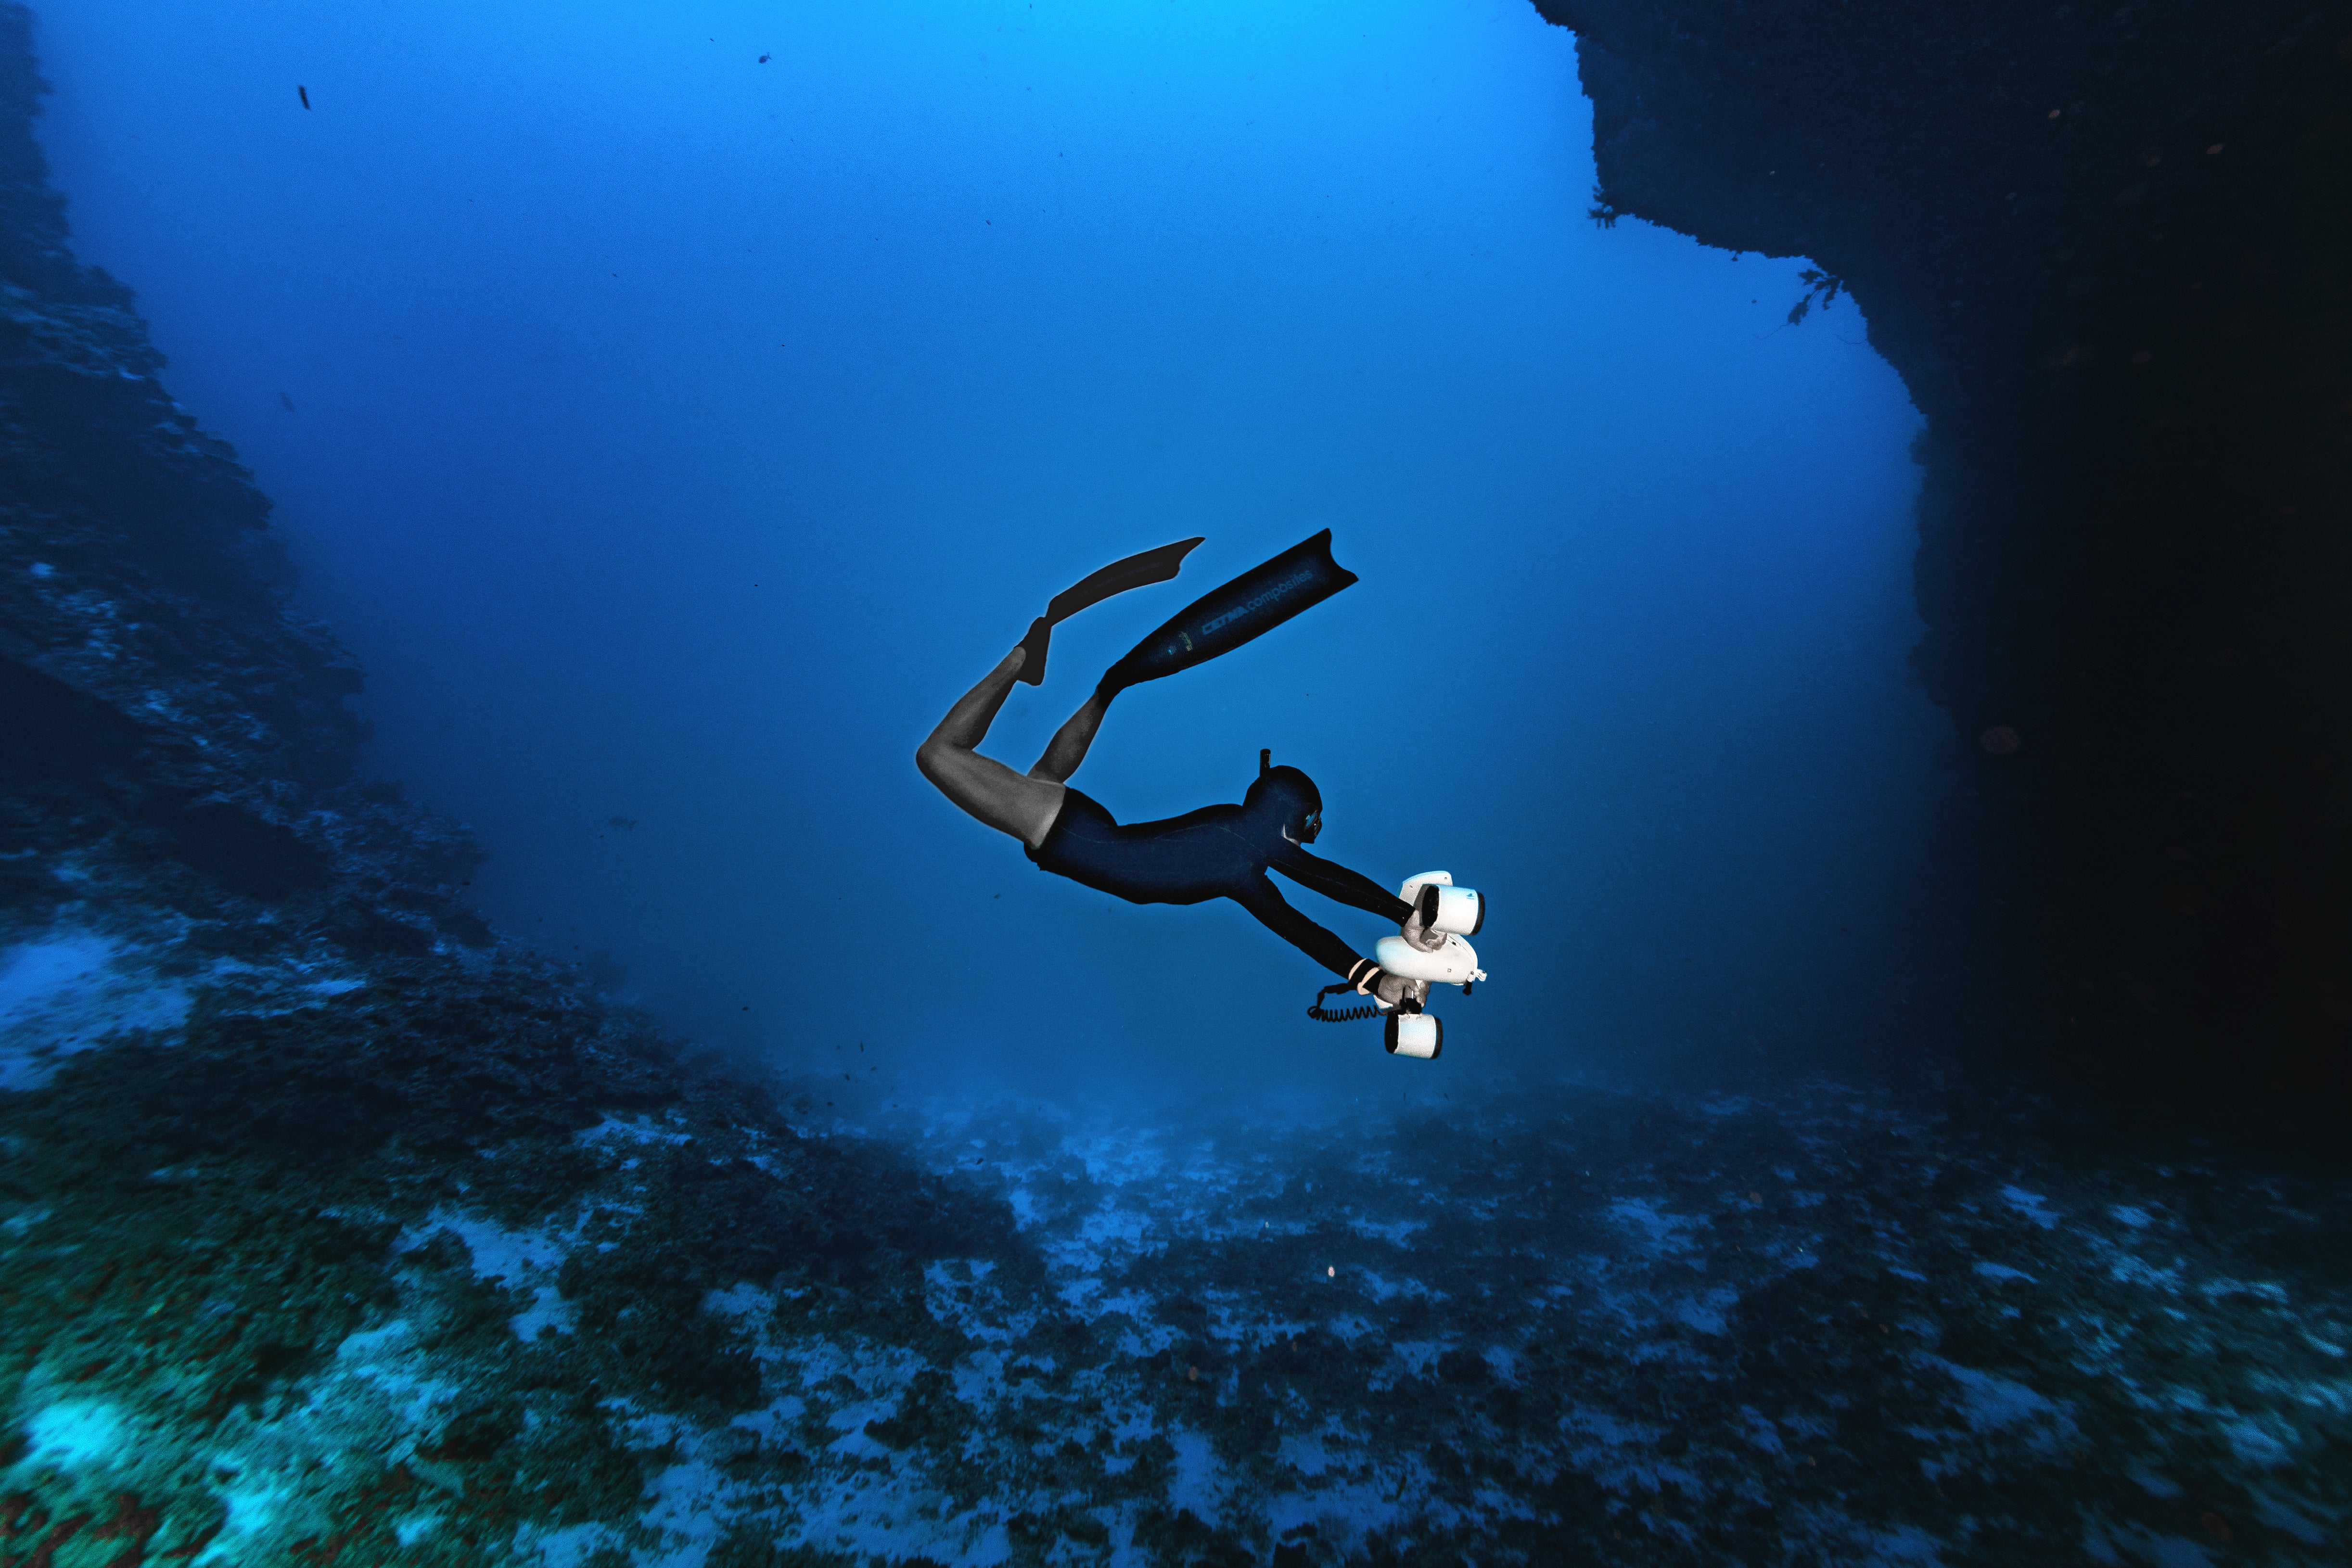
[[1135, 571]]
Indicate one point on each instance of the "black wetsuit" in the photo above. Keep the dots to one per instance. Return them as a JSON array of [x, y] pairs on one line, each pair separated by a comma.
[[1219, 852]]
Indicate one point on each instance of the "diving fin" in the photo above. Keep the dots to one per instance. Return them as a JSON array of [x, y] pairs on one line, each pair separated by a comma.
[[1224, 618], [1136, 571]]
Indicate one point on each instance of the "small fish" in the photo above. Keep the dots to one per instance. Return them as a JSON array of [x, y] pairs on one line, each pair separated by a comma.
[[624, 823], [286, 400], [763, 59], [306, 95]]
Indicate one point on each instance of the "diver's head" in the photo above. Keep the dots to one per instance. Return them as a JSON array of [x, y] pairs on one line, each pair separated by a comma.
[[1290, 800]]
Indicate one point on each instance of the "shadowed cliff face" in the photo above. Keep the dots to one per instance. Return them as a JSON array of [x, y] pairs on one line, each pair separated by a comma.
[[2106, 247]]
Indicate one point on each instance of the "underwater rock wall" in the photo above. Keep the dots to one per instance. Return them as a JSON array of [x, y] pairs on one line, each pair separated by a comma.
[[2110, 250], [157, 703], [332, 1228]]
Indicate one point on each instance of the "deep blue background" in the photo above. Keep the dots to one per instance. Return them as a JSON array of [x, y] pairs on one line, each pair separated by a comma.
[[675, 435]]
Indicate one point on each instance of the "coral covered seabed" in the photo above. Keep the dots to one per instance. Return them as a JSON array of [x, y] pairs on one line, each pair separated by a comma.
[[1600, 1327]]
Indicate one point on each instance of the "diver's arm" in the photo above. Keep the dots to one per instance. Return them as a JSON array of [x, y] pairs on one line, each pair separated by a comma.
[[1337, 883], [1274, 913]]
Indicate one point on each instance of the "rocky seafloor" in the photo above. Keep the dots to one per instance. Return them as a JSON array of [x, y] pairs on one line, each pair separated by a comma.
[[692, 1327]]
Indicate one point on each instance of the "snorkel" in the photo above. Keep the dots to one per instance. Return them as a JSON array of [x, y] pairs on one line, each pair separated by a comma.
[[1287, 796]]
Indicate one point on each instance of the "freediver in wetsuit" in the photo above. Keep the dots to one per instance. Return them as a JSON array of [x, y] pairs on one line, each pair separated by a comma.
[[1217, 852]]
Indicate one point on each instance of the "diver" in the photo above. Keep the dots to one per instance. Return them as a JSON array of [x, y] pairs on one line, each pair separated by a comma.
[[1217, 852]]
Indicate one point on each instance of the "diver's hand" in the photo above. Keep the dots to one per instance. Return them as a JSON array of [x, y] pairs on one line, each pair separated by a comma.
[[1421, 935], [1394, 988]]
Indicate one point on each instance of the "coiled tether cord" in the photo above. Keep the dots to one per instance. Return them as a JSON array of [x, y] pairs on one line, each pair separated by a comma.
[[1321, 1014]]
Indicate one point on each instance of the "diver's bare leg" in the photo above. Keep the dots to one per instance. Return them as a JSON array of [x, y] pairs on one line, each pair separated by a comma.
[[1004, 799], [1068, 748]]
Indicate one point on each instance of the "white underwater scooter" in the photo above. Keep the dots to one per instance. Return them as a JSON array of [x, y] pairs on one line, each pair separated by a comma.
[[1458, 913]]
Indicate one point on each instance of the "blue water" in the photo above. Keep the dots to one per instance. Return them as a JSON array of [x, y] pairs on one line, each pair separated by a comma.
[[674, 435], [676, 408]]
